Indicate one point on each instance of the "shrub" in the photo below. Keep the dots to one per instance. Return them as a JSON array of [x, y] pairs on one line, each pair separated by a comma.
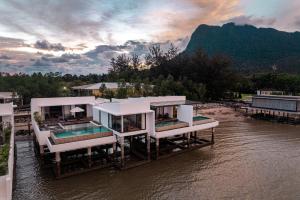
[[4, 154]]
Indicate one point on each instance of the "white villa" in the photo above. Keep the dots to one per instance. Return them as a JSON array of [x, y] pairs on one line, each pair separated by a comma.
[[144, 126], [6, 181]]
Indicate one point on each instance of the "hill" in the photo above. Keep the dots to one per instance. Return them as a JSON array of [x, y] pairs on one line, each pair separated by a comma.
[[250, 48]]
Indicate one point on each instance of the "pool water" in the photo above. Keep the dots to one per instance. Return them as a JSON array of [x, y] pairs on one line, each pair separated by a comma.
[[82, 131], [198, 118]]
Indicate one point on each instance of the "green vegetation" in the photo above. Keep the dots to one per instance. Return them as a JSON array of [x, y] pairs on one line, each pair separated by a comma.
[[197, 76], [4, 151], [251, 49], [38, 118]]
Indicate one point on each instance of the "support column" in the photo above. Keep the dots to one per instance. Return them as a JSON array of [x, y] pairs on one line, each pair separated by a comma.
[[58, 160], [148, 140], [188, 139], [131, 143], [42, 152], [212, 135], [122, 151], [157, 148], [114, 149], [89, 152]]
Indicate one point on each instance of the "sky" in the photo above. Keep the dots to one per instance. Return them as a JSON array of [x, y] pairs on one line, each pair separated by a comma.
[[81, 36]]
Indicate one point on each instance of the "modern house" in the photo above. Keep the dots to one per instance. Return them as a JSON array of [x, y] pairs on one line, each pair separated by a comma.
[[64, 124], [127, 132], [167, 121], [94, 89], [6, 179]]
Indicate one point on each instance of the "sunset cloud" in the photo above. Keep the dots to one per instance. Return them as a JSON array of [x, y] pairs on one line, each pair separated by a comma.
[[73, 30]]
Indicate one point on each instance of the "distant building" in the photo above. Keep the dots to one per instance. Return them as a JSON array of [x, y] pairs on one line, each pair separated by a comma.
[[277, 102], [8, 97], [270, 92], [93, 89]]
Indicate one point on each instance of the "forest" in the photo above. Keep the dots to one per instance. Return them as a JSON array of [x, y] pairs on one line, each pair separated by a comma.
[[197, 76]]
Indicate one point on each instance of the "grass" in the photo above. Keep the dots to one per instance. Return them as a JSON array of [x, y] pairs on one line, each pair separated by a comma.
[[246, 96]]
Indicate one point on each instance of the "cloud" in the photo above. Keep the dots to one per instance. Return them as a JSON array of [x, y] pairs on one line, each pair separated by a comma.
[[256, 21], [4, 57], [94, 61], [45, 45], [111, 22]]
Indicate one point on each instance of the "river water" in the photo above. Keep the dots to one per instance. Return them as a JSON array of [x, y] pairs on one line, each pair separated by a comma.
[[250, 160]]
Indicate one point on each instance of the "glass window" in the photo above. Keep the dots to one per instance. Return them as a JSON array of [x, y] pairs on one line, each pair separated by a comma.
[[114, 122], [134, 122]]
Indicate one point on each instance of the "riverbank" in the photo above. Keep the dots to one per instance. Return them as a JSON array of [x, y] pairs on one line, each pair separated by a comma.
[[221, 113]]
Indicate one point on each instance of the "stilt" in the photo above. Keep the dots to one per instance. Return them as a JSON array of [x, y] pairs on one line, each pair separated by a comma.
[[157, 148], [42, 152], [212, 135], [122, 152], [148, 145], [131, 143], [114, 149], [58, 160], [89, 151], [188, 139]]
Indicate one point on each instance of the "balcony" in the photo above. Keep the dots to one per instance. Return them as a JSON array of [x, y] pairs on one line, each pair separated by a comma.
[[198, 120], [169, 125]]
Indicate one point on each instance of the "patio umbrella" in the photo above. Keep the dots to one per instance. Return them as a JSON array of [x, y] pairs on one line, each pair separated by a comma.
[[76, 110]]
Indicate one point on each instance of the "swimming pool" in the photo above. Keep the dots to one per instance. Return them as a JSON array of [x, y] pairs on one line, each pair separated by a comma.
[[198, 118], [78, 126], [82, 131]]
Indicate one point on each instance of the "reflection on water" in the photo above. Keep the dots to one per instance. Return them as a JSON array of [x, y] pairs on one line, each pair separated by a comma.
[[250, 160]]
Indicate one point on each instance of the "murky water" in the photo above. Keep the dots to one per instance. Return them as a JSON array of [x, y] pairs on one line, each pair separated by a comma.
[[250, 160]]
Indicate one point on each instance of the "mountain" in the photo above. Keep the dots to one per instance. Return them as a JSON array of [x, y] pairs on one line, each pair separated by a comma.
[[249, 48]]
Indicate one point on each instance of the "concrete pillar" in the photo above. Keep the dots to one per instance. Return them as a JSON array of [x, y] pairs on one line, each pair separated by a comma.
[[212, 135], [42, 150], [122, 124], [188, 138], [122, 151], [114, 149], [89, 152], [58, 160], [148, 145], [131, 143], [157, 147]]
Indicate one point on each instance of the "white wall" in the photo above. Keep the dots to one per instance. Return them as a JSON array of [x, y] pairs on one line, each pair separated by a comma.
[[6, 109], [125, 107], [185, 114], [40, 135], [104, 119], [280, 104], [150, 122], [96, 115]]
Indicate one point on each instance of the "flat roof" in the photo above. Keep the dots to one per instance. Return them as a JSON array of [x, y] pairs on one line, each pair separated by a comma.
[[7, 95], [174, 103], [96, 86], [279, 97]]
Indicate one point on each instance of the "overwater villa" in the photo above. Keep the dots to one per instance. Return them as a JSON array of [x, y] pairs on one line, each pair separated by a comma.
[[120, 132], [6, 141], [280, 107]]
